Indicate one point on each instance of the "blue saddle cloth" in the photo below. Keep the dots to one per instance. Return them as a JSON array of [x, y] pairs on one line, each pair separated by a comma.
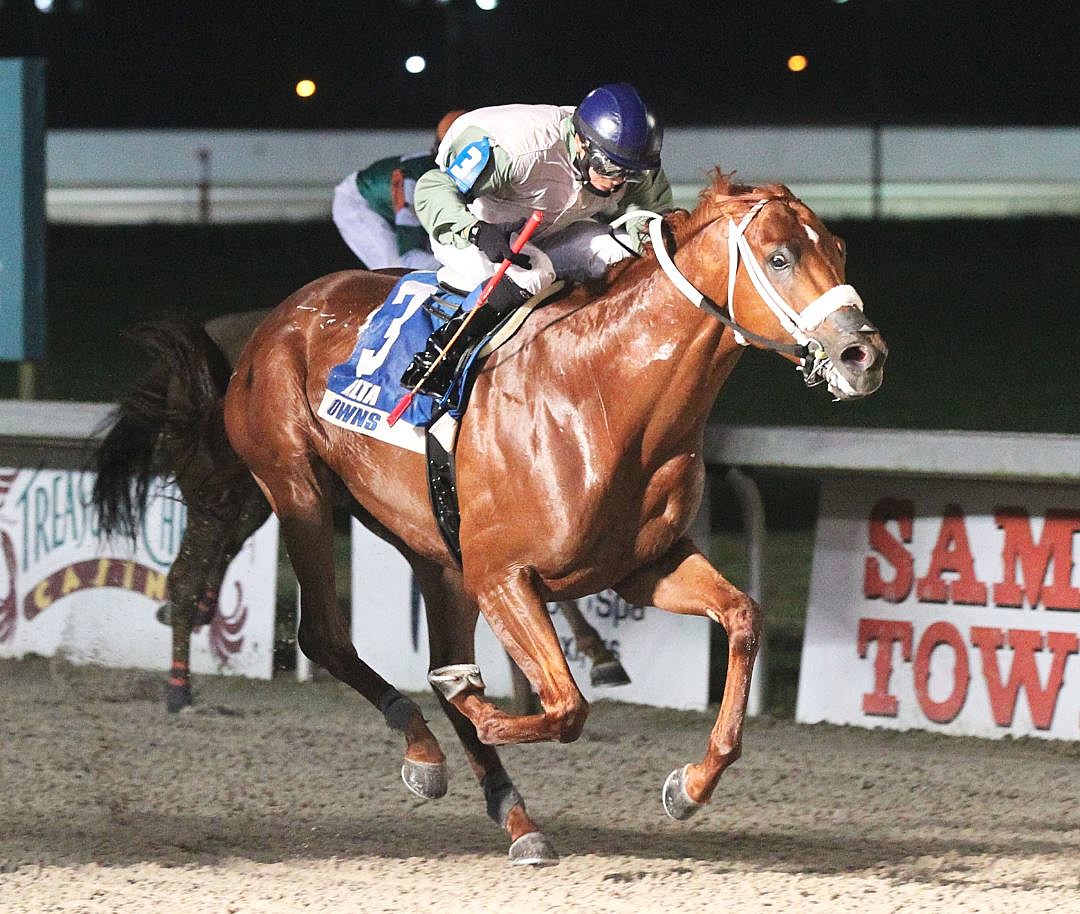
[[361, 392]]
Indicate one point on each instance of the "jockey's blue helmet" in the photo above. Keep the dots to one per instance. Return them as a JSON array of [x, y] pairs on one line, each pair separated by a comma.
[[614, 120]]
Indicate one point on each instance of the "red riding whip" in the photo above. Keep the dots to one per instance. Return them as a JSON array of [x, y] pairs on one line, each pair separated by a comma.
[[523, 235]]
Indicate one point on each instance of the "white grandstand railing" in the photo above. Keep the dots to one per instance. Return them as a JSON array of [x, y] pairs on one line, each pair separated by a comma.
[[894, 172], [305, 202]]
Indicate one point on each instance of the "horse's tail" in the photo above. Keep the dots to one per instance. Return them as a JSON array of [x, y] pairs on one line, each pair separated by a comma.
[[161, 423]]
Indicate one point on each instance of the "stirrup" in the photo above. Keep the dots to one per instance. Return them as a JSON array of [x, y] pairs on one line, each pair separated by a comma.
[[437, 382]]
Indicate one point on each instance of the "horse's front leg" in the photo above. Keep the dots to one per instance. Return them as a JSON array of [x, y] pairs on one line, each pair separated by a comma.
[[520, 619], [451, 631], [683, 581], [209, 545], [187, 584]]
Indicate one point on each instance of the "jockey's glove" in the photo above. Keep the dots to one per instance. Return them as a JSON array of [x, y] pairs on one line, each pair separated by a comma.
[[494, 240]]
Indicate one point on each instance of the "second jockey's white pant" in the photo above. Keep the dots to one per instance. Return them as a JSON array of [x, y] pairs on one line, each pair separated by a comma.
[[368, 235], [583, 250]]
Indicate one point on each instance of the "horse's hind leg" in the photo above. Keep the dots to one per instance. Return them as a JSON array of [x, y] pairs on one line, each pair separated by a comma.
[[303, 504], [606, 670], [451, 619]]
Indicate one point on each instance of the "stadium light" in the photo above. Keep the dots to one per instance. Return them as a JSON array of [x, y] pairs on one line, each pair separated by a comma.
[[796, 63], [487, 5], [416, 64], [305, 88], [44, 6]]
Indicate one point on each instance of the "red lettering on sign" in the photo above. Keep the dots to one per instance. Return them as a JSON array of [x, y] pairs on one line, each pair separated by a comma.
[[1002, 691], [941, 634], [886, 633], [1023, 672], [1055, 546], [902, 511], [952, 553]]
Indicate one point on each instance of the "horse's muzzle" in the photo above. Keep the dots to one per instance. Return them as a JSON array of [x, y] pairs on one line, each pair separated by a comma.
[[855, 353]]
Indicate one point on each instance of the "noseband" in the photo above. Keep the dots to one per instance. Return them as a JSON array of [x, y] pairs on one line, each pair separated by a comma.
[[814, 362]]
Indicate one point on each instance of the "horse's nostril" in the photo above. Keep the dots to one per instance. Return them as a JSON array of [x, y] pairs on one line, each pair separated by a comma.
[[855, 356]]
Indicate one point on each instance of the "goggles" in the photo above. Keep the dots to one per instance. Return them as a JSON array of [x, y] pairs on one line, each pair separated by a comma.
[[599, 162]]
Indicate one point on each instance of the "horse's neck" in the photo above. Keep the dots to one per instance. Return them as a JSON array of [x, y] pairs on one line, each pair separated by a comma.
[[653, 308], [648, 333]]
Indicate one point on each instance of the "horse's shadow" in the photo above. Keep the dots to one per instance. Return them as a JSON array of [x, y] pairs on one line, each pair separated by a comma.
[[197, 840]]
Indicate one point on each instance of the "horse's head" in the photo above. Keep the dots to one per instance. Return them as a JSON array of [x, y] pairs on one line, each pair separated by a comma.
[[785, 285]]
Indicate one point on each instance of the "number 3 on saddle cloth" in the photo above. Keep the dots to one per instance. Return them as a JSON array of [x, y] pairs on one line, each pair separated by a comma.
[[361, 392]]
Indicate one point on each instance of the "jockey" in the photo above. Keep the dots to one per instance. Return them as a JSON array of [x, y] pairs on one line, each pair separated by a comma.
[[373, 209], [580, 166]]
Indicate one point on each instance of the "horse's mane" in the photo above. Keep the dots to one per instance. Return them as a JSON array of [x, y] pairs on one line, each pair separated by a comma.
[[723, 197]]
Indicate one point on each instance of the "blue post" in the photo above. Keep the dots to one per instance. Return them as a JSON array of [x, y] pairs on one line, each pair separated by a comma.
[[22, 209]]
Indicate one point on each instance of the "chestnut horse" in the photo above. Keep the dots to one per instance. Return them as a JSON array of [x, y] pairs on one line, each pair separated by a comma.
[[579, 466], [169, 424]]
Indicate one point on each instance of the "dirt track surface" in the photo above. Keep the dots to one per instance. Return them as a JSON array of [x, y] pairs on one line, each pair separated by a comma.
[[279, 797]]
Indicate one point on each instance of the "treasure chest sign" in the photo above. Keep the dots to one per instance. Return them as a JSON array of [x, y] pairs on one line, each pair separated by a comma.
[[65, 590], [666, 656], [951, 607]]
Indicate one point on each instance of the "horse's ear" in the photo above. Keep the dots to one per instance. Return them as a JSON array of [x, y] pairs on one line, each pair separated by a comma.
[[721, 183]]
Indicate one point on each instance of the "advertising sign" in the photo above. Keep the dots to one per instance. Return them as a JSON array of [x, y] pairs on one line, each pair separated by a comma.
[[64, 590], [945, 606], [667, 656]]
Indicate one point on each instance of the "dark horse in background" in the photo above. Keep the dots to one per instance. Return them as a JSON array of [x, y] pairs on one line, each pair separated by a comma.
[[579, 467], [169, 425]]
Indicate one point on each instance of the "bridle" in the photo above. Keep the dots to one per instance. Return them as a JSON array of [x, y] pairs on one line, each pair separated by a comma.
[[814, 363]]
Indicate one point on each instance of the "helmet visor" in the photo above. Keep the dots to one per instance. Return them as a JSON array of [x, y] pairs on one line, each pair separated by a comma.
[[599, 162]]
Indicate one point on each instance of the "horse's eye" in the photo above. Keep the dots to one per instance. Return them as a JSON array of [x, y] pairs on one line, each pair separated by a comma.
[[778, 261]]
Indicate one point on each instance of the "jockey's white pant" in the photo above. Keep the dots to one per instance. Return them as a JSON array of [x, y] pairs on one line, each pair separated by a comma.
[[583, 250], [369, 236]]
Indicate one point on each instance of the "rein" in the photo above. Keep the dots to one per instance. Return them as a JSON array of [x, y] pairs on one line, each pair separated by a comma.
[[797, 324]]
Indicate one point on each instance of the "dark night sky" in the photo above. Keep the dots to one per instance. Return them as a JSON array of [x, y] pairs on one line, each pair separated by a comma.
[[233, 63]]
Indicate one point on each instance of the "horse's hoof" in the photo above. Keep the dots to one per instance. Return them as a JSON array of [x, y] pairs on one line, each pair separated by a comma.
[[677, 802], [177, 698], [533, 849], [428, 780], [607, 674]]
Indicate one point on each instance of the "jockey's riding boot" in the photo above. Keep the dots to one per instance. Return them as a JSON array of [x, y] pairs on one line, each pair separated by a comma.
[[505, 296]]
